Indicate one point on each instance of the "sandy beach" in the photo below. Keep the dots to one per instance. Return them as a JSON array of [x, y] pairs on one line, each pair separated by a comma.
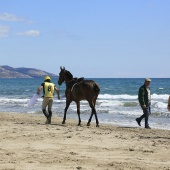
[[27, 143]]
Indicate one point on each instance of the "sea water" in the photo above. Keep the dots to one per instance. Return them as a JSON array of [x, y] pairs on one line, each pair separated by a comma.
[[117, 102]]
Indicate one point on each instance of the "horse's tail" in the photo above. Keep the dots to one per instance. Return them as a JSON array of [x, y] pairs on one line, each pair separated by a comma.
[[96, 87]]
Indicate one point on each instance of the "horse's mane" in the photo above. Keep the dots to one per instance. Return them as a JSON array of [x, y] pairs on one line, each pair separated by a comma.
[[68, 74]]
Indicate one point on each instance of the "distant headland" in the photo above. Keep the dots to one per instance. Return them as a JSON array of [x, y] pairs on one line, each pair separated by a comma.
[[22, 72]]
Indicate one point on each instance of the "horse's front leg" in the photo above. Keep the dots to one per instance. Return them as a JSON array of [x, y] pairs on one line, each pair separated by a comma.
[[65, 110], [78, 112]]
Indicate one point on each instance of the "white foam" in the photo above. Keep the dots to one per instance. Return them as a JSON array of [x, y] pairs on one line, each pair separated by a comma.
[[123, 96], [109, 103], [160, 96], [6, 100], [160, 105]]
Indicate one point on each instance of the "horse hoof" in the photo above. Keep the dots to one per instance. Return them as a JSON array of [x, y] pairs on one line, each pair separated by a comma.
[[48, 121], [88, 124], [97, 125], [63, 122]]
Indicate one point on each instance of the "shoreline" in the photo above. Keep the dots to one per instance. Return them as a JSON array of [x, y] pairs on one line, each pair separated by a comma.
[[27, 143], [84, 119]]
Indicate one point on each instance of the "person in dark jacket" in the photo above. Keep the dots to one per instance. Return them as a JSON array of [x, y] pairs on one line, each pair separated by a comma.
[[144, 97], [168, 107]]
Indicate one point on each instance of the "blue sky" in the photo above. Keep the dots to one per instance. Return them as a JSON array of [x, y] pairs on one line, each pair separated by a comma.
[[91, 38]]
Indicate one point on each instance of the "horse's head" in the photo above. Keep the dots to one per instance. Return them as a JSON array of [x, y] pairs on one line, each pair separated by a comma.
[[64, 75], [61, 75]]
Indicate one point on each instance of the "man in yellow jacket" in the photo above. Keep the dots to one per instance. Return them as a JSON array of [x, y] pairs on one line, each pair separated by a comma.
[[48, 96]]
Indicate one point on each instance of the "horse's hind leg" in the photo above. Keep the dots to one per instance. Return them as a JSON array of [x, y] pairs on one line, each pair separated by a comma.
[[65, 110], [88, 123], [93, 112], [78, 112], [97, 121], [92, 106]]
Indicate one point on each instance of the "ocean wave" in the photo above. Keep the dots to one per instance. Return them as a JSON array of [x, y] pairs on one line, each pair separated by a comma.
[[107, 104], [161, 114], [159, 105], [130, 104], [132, 97], [160, 96], [122, 96], [8, 100]]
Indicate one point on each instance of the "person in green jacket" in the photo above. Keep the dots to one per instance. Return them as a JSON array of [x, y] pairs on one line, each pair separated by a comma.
[[144, 97]]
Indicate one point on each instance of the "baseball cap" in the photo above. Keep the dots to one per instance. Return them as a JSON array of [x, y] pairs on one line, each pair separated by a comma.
[[147, 79], [47, 78]]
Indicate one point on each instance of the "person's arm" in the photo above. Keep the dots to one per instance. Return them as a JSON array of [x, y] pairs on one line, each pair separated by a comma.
[[141, 98], [57, 91], [39, 89]]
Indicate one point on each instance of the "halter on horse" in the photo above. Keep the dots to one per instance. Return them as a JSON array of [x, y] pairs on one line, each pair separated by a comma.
[[77, 90]]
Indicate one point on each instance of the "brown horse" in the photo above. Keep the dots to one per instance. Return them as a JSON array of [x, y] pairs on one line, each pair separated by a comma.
[[77, 90]]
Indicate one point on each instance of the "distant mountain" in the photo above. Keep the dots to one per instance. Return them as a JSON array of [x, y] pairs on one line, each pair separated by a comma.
[[22, 72]]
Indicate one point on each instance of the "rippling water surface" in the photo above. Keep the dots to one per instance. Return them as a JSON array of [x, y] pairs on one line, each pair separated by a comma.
[[116, 104]]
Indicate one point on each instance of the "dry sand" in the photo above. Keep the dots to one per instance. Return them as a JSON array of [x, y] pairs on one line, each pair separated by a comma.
[[27, 143]]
